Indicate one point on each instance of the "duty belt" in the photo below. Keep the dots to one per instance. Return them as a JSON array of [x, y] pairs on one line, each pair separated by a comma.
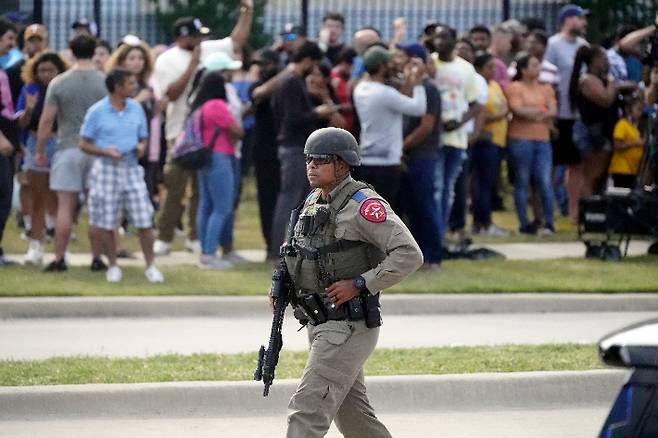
[[315, 309]]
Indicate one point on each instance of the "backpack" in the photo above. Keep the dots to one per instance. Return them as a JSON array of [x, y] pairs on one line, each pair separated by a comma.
[[189, 150]]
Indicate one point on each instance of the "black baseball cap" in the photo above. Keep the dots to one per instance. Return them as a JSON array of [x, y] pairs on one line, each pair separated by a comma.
[[81, 22], [429, 27], [189, 26]]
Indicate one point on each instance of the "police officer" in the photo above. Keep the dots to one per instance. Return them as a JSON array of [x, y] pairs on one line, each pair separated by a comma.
[[349, 245]]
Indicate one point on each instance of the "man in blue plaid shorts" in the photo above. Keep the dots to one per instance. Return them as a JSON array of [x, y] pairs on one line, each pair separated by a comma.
[[115, 131]]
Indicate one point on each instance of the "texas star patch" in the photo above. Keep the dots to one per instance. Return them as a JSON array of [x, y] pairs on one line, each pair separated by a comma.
[[373, 210]]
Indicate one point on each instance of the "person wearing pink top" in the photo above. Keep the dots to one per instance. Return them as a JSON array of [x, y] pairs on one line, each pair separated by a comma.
[[217, 180], [501, 44]]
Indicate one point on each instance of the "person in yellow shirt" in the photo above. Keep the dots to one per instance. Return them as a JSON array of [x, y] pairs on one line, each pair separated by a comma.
[[628, 145], [485, 156]]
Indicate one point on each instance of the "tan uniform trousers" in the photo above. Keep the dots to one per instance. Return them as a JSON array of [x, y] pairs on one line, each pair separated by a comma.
[[175, 180], [332, 387]]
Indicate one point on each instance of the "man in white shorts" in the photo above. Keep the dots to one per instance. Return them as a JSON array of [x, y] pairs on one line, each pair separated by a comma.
[[68, 97], [115, 132]]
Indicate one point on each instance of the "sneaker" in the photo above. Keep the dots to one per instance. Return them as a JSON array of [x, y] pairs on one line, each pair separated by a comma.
[[547, 231], [495, 231], [161, 248], [214, 262], [234, 258], [528, 229], [56, 266], [193, 246], [34, 255], [50, 234], [153, 275], [4, 261], [114, 274], [97, 265], [26, 234]]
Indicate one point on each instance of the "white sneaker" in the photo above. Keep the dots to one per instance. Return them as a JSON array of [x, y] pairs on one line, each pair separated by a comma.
[[494, 231], [193, 246], [214, 262], [234, 258], [546, 232], [34, 255], [161, 248], [114, 274], [153, 275]]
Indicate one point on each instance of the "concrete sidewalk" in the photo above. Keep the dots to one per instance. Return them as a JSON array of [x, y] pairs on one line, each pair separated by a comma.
[[143, 337], [469, 392], [392, 304], [511, 251]]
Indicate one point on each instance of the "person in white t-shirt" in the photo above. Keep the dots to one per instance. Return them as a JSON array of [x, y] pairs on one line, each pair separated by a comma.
[[456, 80], [457, 219], [174, 73]]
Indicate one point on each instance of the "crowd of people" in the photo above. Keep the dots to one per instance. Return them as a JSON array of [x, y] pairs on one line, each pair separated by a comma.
[[435, 115]]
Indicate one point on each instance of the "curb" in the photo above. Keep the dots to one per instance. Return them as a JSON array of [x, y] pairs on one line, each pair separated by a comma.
[[392, 304], [411, 394]]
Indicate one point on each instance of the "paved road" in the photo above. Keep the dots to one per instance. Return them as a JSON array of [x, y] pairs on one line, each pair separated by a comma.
[[41, 338], [570, 422]]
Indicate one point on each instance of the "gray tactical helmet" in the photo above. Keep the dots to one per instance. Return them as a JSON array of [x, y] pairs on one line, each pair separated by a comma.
[[334, 141]]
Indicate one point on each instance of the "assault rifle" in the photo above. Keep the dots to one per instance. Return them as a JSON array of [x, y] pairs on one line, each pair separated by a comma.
[[282, 290]]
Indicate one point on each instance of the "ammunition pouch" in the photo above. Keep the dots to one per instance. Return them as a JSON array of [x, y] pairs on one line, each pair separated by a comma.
[[337, 246], [315, 309]]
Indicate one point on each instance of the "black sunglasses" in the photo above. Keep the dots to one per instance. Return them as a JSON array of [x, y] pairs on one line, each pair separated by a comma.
[[319, 159]]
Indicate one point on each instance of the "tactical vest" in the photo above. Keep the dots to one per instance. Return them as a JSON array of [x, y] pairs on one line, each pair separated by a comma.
[[321, 258]]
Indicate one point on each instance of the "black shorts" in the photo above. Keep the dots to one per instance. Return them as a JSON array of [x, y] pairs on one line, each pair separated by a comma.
[[564, 150]]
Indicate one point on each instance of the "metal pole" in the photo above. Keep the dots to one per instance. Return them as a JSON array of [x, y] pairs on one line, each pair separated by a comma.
[[506, 10], [305, 15], [97, 16], [37, 11]]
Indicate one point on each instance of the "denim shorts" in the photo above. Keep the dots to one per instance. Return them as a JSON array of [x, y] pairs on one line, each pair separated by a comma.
[[31, 150], [586, 142]]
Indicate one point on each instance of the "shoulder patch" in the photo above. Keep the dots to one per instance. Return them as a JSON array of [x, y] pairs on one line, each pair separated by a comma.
[[373, 210], [359, 197]]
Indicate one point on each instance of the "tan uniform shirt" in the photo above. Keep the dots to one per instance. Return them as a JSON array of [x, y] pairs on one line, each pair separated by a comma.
[[372, 220]]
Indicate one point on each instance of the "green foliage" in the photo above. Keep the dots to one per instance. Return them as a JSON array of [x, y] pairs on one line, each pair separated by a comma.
[[608, 15], [219, 16]]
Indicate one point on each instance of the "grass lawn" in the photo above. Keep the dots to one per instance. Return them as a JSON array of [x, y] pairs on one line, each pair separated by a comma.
[[633, 274], [172, 368], [575, 275], [248, 234]]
